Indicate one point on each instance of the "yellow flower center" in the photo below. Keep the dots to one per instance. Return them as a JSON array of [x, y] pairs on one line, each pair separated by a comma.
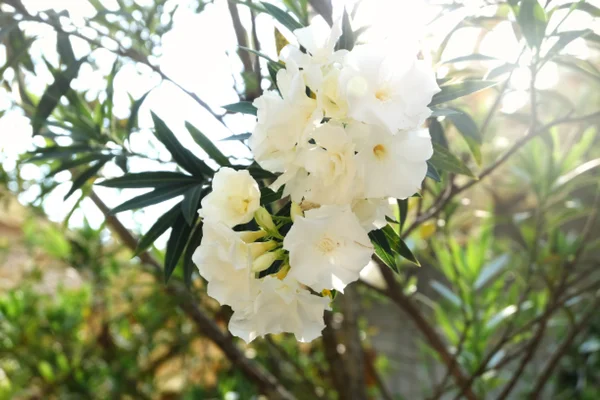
[[327, 245], [383, 94], [379, 151]]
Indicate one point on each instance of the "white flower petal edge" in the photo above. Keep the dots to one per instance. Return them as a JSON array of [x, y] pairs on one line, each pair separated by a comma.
[[280, 306], [328, 248], [224, 260], [391, 89], [393, 165], [372, 212], [234, 198]]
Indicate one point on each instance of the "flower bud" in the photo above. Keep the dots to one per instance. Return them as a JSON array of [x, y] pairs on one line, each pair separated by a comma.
[[252, 236], [258, 249], [264, 220], [266, 260], [296, 211], [283, 272]]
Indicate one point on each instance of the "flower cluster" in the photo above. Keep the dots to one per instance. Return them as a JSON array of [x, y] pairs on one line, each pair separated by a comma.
[[345, 133]]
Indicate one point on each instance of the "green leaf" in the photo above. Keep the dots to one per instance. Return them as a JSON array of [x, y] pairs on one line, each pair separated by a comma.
[[207, 145], [446, 293], [191, 202], [564, 38], [432, 173], [156, 196], [383, 250], [259, 54], [398, 246], [442, 112], [68, 164], [52, 95], [190, 248], [283, 17], [273, 69], [267, 196], [150, 180], [469, 130], [241, 137], [583, 6], [133, 116], [176, 244], [243, 107], [532, 19], [20, 54], [403, 211], [501, 70], [347, 40], [180, 154], [161, 225], [443, 160], [85, 176], [436, 131], [457, 90], [471, 57], [19, 44], [491, 270], [64, 48]]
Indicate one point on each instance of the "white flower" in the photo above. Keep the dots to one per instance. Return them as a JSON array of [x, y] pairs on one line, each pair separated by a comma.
[[225, 261], [393, 165], [329, 96], [319, 40], [388, 86], [283, 122], [372, 212], [325, 172], [280, 306], [328, 248], [234, 198]]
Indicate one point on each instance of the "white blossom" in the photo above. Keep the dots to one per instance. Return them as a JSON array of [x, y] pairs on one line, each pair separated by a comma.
[[324, 172], [280, 306], [372, 212], [388, 86], [283, 121], [393, 165], [328, 248], [319, 40], [234, 198], [225, 261]]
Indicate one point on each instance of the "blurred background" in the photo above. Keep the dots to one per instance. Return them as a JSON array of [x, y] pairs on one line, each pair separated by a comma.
[[504, 304]]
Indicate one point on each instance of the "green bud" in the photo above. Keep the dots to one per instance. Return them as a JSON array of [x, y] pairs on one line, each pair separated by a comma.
[[258, 249], [266, 260], [264, 220], [252, 236]]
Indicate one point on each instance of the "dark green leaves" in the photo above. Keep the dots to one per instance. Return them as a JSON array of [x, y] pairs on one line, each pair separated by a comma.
[[180, 154], [85, 176], [281, 16], [432, 172], [532, 19], [468, 128], [456, 90], [347, 39], [158, 195], [150, 179], [268, 196], [192, 245], [176, 244], [191, 202], [133, 116], [243, 107], [160, 226], [389, 247], [443, 160], [207, 145], [50, 98]]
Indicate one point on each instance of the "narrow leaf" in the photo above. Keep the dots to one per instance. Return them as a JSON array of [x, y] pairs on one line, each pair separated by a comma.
[[281, 16], [192, 245], [191, 202], [347, 40], [443, 160], [243, 107], [161, 225], [176, 244], [156, 196], [150, 179], [180, 154], [446, 293], [85, 176], [207, 145], [491, 270], [432, 173], [471, 57], [532, 19], [398, 246], [267, 196], [383, 250], [457, 90], [133, 115], [403, 211], [241, 137]]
